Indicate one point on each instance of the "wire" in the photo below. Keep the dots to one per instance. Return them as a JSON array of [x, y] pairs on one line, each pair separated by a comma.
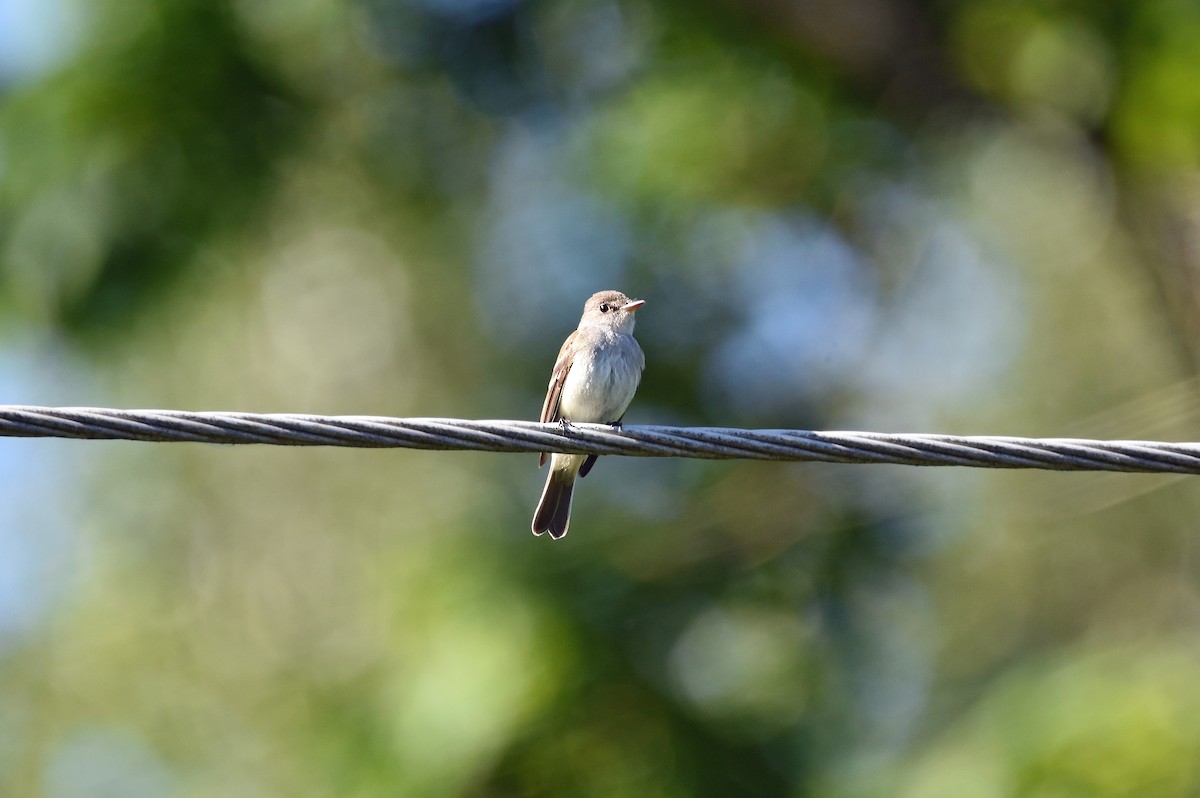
[[714, 443]]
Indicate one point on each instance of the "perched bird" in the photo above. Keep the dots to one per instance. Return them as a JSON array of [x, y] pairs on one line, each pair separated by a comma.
[[595, 377]]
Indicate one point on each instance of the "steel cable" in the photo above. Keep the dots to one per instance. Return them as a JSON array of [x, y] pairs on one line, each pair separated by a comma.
[[716, 443]]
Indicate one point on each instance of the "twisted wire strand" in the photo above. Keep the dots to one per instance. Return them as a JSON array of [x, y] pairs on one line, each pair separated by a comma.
[[715, 443]]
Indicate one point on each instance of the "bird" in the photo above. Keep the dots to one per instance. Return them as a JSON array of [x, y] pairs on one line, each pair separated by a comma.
[[598, 370]]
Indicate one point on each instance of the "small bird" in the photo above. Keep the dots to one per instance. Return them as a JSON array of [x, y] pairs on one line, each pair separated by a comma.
[[594, 379]]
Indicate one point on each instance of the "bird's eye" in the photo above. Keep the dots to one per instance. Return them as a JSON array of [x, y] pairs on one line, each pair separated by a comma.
[[604, 307]]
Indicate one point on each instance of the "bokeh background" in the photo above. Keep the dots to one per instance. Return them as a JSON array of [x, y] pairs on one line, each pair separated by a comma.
[[894, 215]]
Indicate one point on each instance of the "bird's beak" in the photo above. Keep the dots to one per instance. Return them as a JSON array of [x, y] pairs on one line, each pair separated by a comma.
[[633, 305]]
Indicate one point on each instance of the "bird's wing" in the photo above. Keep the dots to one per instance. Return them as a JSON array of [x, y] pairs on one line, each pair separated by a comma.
[[550, 407]]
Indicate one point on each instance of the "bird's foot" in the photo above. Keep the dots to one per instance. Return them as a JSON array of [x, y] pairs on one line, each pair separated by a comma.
[[566, 426]]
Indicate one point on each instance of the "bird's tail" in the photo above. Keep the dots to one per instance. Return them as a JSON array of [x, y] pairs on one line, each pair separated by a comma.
[[553, 512]]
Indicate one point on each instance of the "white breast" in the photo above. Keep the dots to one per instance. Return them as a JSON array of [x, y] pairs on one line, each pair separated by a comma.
[[602, 381]]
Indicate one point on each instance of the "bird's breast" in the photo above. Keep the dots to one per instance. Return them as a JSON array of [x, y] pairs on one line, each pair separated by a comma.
[[602, 381]]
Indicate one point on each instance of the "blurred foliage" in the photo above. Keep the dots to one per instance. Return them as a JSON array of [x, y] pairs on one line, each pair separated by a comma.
[[962, 217]]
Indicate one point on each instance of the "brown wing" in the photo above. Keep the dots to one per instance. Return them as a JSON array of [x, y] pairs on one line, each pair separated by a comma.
[[554, 391]]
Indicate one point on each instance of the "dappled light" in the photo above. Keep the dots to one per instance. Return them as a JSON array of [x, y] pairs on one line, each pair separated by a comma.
[[965, 218]]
